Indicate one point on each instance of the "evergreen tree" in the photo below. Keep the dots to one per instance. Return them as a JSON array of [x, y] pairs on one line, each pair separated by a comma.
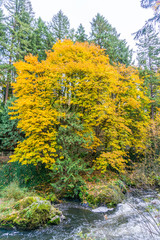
[[60, 26], [19, 29], [3, 46], [100, 30], [80, 34], [9, 133], [155, 5], [71, 34], [19, 25], [2, 34], [147, 3], [42, 39], [104, 35], [148, 56]]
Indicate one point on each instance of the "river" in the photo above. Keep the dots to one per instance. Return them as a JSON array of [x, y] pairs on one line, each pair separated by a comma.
[[130, 220]]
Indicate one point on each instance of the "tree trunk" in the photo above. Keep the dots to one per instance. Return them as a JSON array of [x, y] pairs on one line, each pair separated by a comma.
[[152, 107], [7, 92]]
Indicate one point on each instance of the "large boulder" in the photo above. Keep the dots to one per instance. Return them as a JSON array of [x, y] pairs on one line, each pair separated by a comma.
[[30, 213], [109, 194]]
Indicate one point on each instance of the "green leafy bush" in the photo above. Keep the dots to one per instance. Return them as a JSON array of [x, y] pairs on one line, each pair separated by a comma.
[[67, 172], [13, 191]]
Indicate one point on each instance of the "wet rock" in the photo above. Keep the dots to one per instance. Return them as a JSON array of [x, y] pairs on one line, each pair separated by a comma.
[[30, 213], [110, 194]]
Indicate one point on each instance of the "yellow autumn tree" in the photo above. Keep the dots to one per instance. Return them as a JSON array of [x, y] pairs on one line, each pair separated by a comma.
[[125, 122], [77, 78]]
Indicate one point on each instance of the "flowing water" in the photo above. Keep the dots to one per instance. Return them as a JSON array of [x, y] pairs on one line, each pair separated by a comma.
[[136, 218]]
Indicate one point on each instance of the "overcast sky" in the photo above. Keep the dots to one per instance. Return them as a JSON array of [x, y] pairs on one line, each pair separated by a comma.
[[126, 16]]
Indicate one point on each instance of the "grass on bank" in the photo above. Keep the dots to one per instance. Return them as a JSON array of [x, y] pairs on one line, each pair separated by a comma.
[[11, 194]]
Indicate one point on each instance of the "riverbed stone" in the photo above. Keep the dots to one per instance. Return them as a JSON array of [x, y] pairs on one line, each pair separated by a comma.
[[109, 194], [30, 213]]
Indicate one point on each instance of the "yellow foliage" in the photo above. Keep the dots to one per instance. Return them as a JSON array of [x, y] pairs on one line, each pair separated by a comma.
[[78, 78]]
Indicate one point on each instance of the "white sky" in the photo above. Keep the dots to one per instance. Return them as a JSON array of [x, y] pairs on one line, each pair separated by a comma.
[[126, 16]]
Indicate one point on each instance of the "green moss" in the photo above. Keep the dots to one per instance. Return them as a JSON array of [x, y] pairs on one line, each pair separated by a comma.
[[7, 222], [110, 194], [25, 202], [31, 213], [10, 217], [54, 221]]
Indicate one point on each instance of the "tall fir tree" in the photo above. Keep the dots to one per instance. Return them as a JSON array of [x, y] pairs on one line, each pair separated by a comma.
[[80, 35], [19, 23], [71, 34], [60, 26], [42, 39], [3, 47], [19, 28], [104, 35], [153, 21], [148, 56], [2, 34]]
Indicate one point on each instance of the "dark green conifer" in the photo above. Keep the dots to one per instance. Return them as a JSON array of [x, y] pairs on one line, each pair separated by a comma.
[[80, 35], [60, 26], [104, 35], [19, 29], [9, 133], [148, 56], [42, 39]]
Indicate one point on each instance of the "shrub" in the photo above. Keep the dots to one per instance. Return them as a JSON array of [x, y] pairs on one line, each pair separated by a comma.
[[69, 168], [13, 191], [27, 175]]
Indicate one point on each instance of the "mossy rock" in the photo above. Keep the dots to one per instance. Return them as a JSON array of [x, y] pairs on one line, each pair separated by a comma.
[[25, 202], [110, 194], [31, 213], [55, 220]]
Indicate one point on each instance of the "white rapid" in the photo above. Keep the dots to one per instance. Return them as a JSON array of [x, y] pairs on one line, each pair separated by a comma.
[[136, 218]]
